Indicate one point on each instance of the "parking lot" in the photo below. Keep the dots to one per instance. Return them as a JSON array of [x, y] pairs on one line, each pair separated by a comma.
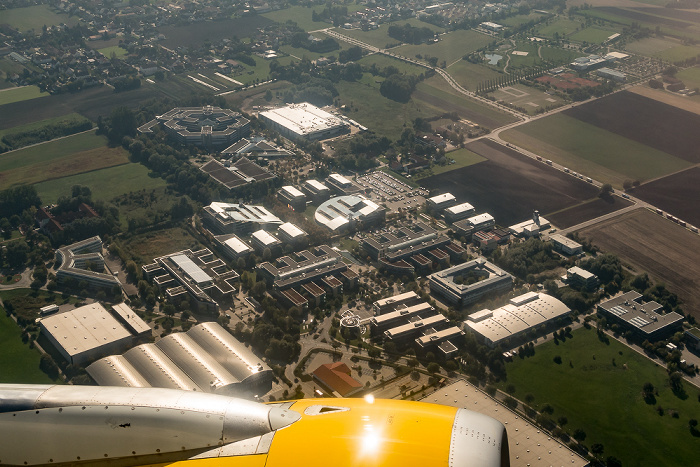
[[391, 191]]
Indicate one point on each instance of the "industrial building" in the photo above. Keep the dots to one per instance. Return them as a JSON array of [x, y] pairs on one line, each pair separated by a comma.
[[303, 120], [90, 332], [614, 75], [344, 212], [387, 305], [453, 284], [494, 27], [83, 262], [588, 63], [201, 126], [565, 245], [306, 266], [442, 341], [515, 319], [341, 185], [262, 239], [198, 275], [416, 328], [336, 379], [206, 358], [646, 320], [316, 191], [232, 246], [441, 202], [531, 227], [581, 278], [458, 212], [291, 234], [468, 227], [292, 197], [238, 218], [235, 174], [255, 147], [406, 311]]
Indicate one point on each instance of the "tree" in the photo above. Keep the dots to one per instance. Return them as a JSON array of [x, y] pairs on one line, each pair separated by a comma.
[[605, 190], [373, 353], [433, 367], [579, 435], [597, 449]]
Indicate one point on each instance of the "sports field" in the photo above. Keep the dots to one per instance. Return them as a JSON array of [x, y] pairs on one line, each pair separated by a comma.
[[592, 151], [116, 50], [598, 388], [451, 47], [71, 155], [11, 95], [592, 35], [104, 183], [35, 17], [560, 26], [527, 98], [18, 363], [690, 76]]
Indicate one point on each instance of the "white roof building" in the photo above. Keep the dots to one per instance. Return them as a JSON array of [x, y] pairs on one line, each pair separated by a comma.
[[521, 314], [343, 211], [442, 201], [289, 232], [303, 121], [262, 239]]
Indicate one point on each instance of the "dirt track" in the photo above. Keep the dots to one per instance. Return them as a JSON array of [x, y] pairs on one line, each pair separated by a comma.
[[652, 244]]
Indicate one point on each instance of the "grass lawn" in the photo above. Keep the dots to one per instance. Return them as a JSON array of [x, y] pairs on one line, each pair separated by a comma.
[[35, 17], [380, 37], [690, 76], [517, 20], [561, 25], [300, 15], [72, 117], [384, 116], [151, 245], [462, 157], [592, 35], [469, 75], [593, 151], [10, 95], [116, 50], [18, 363], [451, 47], [526, 97], [383, 61], [651, 46], [598, 387], [105, 183], [557, 55], [523, 61], [679, 53], [72, 155]]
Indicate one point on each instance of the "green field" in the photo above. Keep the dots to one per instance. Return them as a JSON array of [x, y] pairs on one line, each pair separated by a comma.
[[18, 363], [651, 46], [517, 20], [380, 37], [151, 245], [451, 47], [116, 50], [41, 123], [593, 151], [300, 15], [523, 61], [690, 76], [462, 157], [557, 55], [59, 158], [527, 98], [561, 26], [10, 95], [35, 17], [598, 388], [592, 35], [383, 61], [679, 53], [469, 75], [105, 183]]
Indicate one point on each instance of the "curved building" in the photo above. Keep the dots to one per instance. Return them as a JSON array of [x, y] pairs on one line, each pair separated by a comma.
[[344, 212]]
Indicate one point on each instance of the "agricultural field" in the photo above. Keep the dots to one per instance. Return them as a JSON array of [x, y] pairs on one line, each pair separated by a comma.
[[662, 126], [380, 37], [517, 20], [74, 117], [451, 47], [560, 26], [461, 157], [470, 75], [586, 211], [104, 183], [614, 375], [677, 193], [145, 247], [35, 17], [18, 363], [509, 185], [651, 46], [383, 61], [648, 242], [592, 151], [300, 15], [437, 93], [194, 35], [71, 155], [115, 49], [527, 98], [592, 35], [688, 103], [21, 94], [690, 76], [679, 23]]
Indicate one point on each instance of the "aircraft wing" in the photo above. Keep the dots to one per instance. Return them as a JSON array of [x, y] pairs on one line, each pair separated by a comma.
[[85, 425]]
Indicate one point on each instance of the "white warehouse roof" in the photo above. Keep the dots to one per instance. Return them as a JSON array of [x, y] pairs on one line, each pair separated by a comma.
[[443, 198], [292, 191], [460, 208], [303, 119], [292, 230], [237, 245], [265, 238]]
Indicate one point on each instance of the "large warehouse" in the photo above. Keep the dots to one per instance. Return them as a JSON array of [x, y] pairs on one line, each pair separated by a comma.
[[521, 314], [88, 332], [303, 121], [205, 358], [645, 319], [342, 212]]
